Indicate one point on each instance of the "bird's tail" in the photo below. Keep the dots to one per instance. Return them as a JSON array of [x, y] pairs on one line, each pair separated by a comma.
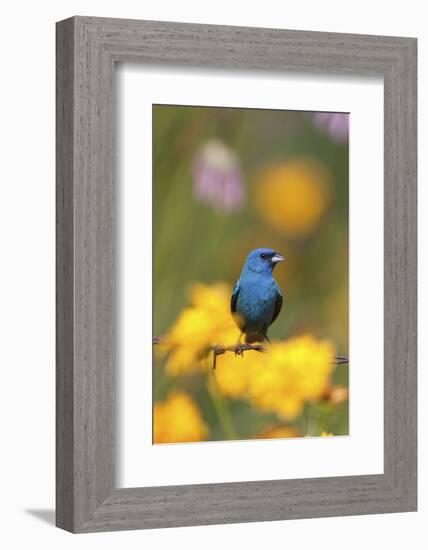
[[252, 337]]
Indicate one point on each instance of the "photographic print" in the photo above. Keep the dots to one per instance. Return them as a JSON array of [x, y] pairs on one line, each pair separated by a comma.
[[250, 274]]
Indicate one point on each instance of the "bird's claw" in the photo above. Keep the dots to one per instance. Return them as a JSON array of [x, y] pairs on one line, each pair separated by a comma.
[[239, 350]]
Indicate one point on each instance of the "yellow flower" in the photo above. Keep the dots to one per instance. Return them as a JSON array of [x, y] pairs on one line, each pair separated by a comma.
[[297, 371], [326, 434], [278, 432], [232, 373], [178, 420], [205, 323], [281, 379], [292, 196]]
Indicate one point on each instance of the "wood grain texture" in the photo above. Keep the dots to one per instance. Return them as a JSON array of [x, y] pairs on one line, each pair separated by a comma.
[[87, 50], [64, 277]]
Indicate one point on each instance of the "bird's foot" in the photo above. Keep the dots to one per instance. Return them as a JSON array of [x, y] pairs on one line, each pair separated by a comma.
[[239, 350]]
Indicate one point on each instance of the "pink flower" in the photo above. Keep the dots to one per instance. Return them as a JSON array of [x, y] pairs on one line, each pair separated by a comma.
[[336, 125], [217, 178]]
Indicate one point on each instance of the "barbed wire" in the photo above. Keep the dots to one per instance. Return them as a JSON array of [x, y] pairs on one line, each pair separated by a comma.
[[239, 349]]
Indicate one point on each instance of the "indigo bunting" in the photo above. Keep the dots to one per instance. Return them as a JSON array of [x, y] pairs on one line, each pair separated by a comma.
[[256, 299]]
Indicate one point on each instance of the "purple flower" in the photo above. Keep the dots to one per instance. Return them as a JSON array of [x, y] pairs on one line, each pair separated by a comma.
[[217, 179], [336, 125]]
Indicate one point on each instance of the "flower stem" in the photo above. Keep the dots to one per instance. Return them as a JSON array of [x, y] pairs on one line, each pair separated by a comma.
[[312, 421], [221, 408]]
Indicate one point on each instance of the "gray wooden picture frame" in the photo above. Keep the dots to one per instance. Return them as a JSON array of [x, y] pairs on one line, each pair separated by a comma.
[[87, 51]]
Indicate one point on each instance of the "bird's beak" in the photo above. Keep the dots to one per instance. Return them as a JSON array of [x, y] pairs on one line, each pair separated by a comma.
[[277, 258]]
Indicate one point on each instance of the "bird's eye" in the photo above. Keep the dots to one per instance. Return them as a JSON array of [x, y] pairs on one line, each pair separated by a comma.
[[263, 256]]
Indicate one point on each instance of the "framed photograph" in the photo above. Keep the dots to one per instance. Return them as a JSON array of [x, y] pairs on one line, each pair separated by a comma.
[[236, 274]]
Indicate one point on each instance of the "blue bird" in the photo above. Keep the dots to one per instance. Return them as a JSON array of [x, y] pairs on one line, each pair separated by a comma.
[[256, 299]]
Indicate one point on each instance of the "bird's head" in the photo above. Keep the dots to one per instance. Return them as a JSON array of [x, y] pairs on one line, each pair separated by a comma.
[[263, 260]]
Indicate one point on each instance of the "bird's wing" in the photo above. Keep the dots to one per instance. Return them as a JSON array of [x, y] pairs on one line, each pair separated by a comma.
[[278, 306], [234, 298], [238, 319]]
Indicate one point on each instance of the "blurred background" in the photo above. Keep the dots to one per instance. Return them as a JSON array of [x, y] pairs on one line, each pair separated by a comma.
[[226, 181]]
